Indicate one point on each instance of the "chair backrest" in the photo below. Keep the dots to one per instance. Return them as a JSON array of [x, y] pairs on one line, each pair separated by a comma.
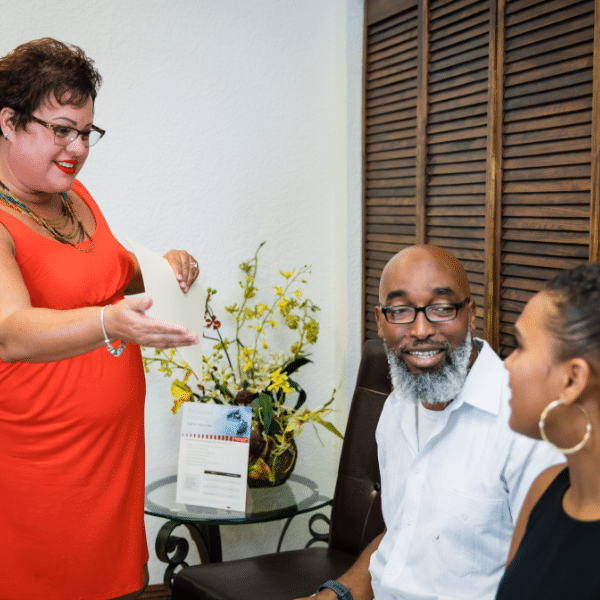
[[356, 513]]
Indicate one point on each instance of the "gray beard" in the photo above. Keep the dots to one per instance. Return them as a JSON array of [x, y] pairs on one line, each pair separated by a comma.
[[433, 388]]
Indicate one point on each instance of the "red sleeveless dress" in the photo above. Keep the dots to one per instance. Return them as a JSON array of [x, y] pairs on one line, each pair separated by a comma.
[[72, 437]]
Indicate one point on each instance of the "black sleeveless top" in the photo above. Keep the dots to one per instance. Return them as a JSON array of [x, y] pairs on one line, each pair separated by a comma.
[[559, 557]]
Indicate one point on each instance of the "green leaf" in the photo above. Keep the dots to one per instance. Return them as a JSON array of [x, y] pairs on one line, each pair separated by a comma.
[[276, 428], [329, 426], [265, 403], [295, 364], [301, 394]]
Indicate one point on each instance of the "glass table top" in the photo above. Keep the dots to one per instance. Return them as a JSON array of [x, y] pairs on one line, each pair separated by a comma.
[[297, 495]]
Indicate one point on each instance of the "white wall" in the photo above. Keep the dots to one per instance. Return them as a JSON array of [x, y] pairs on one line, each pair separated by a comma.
[[230, 122]]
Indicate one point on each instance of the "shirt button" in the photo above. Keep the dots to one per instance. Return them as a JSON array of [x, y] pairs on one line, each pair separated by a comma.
[[464, 517], [409, 521]]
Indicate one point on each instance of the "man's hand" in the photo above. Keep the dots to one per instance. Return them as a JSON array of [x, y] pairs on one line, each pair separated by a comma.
[[357, 579]]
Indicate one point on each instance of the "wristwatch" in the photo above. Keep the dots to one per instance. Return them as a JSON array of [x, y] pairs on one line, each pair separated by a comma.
[[341, 590]]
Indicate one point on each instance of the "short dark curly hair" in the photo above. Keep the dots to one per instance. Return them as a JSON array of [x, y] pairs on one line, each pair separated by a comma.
[[575, 320], [44, 68]]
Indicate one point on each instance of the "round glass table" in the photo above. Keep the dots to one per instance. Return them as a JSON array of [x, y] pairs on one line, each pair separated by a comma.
[[296, 496]]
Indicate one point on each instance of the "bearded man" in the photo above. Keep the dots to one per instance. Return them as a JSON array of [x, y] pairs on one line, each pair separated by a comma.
[[453, 475]]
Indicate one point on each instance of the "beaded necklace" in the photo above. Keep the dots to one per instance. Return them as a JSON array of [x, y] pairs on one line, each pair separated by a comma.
[[50, 225]]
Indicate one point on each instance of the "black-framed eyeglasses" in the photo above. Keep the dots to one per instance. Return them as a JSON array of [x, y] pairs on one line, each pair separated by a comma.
[[65, 135], [435, 313]]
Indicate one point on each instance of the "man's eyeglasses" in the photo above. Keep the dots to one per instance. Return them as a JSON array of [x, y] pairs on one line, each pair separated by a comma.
[[65, 135], [435, 313]]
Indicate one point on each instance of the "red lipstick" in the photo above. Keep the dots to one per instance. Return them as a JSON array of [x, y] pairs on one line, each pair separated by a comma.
[[67, 166]]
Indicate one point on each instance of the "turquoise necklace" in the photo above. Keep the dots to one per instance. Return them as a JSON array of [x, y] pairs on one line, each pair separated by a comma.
[[49, 225]]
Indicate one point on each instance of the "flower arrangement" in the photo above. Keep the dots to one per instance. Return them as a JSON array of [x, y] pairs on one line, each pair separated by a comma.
[[243, 370]]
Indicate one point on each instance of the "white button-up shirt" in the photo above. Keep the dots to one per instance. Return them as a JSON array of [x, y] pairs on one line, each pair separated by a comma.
[[450, 508]]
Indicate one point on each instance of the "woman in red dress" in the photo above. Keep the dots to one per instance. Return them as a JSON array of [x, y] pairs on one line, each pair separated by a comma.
[[71, 378]]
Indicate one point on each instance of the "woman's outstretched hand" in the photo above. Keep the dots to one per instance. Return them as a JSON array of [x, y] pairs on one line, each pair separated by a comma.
[[127, 320]]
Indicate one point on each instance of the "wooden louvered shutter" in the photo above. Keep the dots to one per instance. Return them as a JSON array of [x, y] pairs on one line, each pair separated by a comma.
[[482, 135], [456, 139], [546, 157], [390, 146]]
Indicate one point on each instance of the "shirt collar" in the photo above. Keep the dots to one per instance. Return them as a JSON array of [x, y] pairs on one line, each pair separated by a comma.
[[487, 373]]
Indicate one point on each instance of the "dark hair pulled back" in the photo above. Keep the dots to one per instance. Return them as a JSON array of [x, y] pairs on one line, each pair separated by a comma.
[[37, 70], [575, 321]]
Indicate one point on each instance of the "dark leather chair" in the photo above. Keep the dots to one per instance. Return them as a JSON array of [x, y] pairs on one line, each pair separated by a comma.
[[355, 515]]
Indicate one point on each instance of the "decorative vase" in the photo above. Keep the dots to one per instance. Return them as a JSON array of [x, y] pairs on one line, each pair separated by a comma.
[[269, 463]]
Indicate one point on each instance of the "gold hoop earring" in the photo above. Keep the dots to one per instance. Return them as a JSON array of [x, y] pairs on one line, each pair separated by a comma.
[[588, 429]]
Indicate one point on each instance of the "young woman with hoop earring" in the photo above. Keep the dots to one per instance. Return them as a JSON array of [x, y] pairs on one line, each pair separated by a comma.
[[555, 384]]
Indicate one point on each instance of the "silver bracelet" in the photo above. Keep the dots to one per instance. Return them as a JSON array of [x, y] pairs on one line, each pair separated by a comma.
[[114, 351]]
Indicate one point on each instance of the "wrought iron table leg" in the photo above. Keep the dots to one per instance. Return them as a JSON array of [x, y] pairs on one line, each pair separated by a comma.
[[283, 532], [316, 536], [206, 537]]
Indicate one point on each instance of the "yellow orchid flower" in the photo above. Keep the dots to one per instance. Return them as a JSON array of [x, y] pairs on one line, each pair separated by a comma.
[[181, 391], [284, 306], [287, 274], [279, 381]]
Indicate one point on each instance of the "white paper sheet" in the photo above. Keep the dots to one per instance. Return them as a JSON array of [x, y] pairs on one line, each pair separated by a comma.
[[213, 455], [169, 303]]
